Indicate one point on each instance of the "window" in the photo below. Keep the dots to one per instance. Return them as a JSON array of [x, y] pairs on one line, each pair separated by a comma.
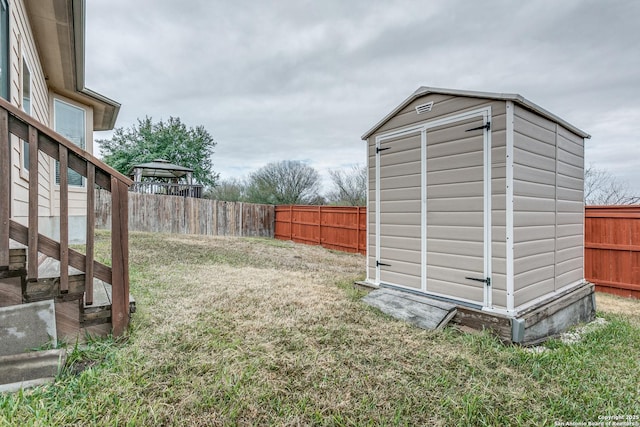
[[69, 121], [4, 49], [26, 107]]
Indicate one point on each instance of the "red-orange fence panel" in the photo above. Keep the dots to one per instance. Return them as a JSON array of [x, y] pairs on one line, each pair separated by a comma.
[[341, 228], [612, 249]]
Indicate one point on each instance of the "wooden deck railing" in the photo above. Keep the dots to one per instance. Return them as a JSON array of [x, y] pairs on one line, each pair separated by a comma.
[[41, 139], [168, 189]]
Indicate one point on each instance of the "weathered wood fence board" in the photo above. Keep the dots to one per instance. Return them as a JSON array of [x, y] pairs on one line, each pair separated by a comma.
[[186, 215], [612, 249], [342, 228]]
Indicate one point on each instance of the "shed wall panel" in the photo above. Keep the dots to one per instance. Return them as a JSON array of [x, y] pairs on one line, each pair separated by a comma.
[[570, 208], [548, 195], [534, 205]]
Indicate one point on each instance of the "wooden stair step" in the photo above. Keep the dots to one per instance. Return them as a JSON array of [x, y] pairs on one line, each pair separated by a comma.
[[17, 261], [100, 311], [48, 283], [49, 287]]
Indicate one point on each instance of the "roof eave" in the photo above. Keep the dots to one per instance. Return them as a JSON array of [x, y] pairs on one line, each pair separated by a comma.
[[63, 61]]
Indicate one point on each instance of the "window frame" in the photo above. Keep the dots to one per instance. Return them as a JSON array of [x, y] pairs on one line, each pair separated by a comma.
[[56, 169], [5, 73]]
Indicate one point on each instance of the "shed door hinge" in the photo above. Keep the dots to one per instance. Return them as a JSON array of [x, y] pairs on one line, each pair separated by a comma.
[[378, 264], [487, 280], [486, 126], [378, 149]]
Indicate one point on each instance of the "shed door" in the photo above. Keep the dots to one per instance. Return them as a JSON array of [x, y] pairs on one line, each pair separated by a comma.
[[399, 221], [433, 226], [458, 231]]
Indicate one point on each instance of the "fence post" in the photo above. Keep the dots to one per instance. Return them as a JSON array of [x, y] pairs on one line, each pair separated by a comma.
[[358, 229], [34, 174], [119, 257], [320, 225], [290, 222]]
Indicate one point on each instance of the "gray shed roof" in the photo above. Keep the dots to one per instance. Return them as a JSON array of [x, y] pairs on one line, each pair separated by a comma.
[[518, 99], [161, 169]]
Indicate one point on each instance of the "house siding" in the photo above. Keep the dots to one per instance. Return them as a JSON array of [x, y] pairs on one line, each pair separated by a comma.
[[22, 45]]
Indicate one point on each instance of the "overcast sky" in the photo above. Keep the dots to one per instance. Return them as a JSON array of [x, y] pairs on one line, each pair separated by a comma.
[[303, 80]]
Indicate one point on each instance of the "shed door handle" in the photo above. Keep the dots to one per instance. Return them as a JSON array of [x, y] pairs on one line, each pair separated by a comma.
[[487, 280]]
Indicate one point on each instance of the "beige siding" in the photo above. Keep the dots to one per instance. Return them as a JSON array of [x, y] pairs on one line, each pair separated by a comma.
[[23, 49], [534, 205], [498, 205], [371, 210], [570, 229], [443, 105], [548, 210]]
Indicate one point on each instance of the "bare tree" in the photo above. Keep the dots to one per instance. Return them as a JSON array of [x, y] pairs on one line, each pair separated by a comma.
[[288, 182], [349, 186], [603, 188], [229, 190]]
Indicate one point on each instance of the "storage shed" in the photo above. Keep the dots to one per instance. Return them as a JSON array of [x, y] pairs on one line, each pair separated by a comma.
[[477, 199]]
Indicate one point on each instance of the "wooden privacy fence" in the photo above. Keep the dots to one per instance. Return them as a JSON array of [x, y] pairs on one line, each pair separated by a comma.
[[187, 215], [342, 228], [612, 249]]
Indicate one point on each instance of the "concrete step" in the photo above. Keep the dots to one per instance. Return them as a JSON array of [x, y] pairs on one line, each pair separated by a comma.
[[25, 327], [30, 369], [418, 310]]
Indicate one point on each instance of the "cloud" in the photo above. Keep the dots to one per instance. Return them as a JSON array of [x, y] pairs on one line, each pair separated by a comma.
[[287, 79]]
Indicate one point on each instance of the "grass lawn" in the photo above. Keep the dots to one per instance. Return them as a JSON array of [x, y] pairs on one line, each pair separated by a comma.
[[262, 332]]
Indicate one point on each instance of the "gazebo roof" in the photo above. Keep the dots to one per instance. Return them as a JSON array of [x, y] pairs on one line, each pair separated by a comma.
[[161, 169]]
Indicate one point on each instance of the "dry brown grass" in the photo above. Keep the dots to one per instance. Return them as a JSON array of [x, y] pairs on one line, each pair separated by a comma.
[[262, 332], [628, 307]]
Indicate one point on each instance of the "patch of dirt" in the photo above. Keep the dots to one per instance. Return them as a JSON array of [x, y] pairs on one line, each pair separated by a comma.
[[82, 365], [617, 305]]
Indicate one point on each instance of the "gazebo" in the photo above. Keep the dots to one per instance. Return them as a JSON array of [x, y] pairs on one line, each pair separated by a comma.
[[162, 177]]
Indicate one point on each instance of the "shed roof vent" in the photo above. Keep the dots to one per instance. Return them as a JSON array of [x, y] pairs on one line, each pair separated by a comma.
[[424, 108]]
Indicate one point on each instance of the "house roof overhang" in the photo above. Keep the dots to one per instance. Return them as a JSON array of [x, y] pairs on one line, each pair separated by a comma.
[[518, 99], [59, 31]]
